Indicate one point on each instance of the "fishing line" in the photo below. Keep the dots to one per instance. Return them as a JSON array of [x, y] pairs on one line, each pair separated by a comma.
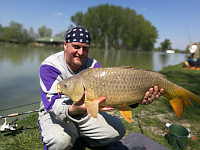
[[139, 123], [19, 106], [188, 34], [137, 118]]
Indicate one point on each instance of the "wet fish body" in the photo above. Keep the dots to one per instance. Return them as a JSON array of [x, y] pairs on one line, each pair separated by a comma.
[[122, 86]]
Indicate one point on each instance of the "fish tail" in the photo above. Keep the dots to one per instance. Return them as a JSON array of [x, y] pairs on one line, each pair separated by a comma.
[[179, 102]]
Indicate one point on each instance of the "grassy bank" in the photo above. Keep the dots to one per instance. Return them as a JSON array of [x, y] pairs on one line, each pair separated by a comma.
[[151, 118]]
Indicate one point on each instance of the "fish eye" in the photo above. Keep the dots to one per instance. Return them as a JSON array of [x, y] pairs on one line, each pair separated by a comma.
[[66, 84]]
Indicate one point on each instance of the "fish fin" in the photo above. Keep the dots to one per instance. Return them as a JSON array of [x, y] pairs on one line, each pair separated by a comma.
[[92, 107], [130, 67], [126, 67], [164, 76], [126, 112], [178, 106], [181, 100], [137, 68]]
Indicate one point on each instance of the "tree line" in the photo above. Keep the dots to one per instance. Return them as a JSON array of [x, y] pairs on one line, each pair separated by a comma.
[[111, 27], [16, 33]]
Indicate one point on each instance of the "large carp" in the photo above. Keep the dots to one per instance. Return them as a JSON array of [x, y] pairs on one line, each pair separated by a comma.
[[122, 86]]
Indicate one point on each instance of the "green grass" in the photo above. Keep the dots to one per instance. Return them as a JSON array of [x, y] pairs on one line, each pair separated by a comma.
[[152, 118], [26, 137]]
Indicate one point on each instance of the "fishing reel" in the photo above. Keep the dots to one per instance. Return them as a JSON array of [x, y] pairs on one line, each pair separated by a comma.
[[10, 126]]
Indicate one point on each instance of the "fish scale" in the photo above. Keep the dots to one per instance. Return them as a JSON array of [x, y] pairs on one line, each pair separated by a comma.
[[122, 86]]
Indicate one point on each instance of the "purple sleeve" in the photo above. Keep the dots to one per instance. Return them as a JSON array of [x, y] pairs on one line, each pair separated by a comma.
[[97, 65], [48, 76]]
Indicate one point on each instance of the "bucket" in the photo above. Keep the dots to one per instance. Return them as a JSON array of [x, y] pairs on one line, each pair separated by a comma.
[[177, 136]]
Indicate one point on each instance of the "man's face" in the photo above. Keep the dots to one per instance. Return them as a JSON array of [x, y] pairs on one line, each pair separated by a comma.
[[76, 54]]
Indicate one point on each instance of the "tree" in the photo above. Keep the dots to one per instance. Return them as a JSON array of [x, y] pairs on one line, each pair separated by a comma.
[[1, 29], [61, 34], [78, 19], [16, 33], [165, 45], [43, 31], [115, 27], [13, 33], [31, 34], [128, 28]]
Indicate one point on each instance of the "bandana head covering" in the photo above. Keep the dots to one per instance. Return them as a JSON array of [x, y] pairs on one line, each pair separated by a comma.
[[77, 34]]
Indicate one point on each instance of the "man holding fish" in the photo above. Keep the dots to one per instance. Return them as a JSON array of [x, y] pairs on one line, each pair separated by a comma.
[[62, 121]]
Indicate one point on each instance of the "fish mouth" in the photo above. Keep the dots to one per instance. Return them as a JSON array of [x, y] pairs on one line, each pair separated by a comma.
[[58, 89]]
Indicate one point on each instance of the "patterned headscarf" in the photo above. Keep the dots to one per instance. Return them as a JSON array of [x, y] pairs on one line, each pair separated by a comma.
[[77, 34]]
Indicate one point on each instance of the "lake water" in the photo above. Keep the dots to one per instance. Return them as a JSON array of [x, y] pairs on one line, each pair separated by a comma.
[[19, 79]]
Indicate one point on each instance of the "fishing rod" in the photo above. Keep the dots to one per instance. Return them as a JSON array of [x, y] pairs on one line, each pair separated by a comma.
[[188, 34], [18, 114], [19, 106]]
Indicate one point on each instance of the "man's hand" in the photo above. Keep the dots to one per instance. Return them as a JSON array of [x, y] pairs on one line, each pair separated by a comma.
[[151, 95], [102, 108], [79, 108]]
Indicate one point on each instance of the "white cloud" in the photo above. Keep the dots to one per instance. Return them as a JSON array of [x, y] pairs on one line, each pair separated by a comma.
[[57, 14], [144, 9]]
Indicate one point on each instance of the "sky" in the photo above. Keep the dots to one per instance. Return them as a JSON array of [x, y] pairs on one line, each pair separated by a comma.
[[176, 20]]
